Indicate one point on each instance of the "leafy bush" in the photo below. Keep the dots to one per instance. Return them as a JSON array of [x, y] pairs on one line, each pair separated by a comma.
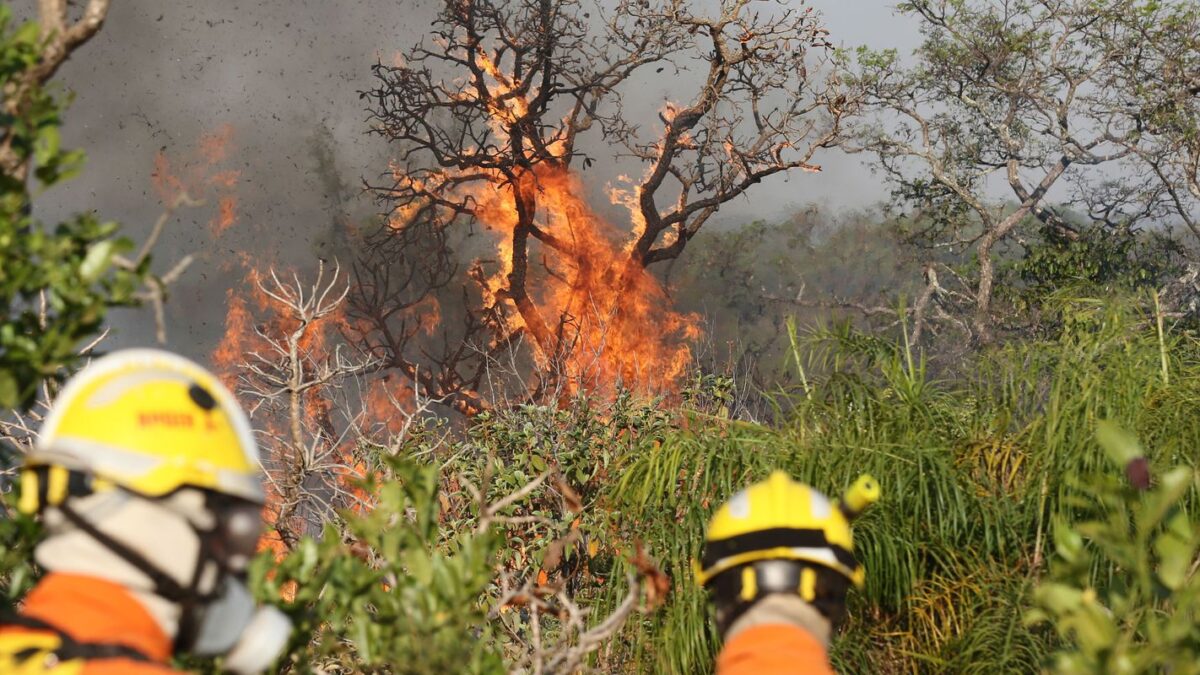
[[396, 592], [1122, 591], [18, 535], [56, 283]]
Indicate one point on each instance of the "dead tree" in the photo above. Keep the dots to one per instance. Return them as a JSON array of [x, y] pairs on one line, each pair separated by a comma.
[[495, 117], [299, 384]]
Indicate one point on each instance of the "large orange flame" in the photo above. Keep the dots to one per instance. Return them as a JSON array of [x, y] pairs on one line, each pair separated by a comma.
[[616, 320], [619, 319]]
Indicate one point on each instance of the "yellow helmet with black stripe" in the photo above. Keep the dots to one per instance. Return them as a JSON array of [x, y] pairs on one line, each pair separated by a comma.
[[150, 422], [781, 519]]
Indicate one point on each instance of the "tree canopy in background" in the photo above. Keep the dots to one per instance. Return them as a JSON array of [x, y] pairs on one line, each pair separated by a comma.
[[1017, 115]]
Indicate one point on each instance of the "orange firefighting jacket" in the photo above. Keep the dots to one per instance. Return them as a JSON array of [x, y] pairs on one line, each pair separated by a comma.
[[78, 625], [772, 649]]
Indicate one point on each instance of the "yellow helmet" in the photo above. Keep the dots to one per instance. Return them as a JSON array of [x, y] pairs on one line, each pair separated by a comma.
[[780, 519], [148, 421]]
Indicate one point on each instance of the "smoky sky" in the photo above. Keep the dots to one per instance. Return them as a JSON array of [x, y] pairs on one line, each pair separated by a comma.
[[285, 75]]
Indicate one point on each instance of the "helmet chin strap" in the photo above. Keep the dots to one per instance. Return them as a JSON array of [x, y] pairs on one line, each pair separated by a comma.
[[187, 598]]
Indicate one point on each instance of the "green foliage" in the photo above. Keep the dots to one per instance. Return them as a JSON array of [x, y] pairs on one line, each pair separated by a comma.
[[986, 102], [18, 534], [1099, 258], [56, 283], [396, 592], [1098, 261], [975, 467], [577, 539], [747, 280], [1122, 591]]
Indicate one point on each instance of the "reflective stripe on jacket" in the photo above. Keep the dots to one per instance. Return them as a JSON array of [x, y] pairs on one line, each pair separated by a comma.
[[77, 625], [772, 649]]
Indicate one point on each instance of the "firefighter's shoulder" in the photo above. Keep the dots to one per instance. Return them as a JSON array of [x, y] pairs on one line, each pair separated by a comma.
[[37, 651]]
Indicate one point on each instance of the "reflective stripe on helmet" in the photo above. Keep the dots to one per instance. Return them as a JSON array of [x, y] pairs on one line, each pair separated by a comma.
[[774, 538]]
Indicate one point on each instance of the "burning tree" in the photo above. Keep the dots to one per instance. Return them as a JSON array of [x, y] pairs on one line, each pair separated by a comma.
[[492, 121], [301, 392]]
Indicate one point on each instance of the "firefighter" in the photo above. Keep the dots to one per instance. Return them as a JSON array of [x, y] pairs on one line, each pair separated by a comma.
[[778, 560], [147, 479]]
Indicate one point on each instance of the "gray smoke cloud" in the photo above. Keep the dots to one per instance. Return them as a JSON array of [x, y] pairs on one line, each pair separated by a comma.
[[285, 75]]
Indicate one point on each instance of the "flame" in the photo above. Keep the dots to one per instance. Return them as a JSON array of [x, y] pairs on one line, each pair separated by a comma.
[[252, 315], [214, 145], [617, 318], [227, 215], [614, 318], [200, 176], [235, 342], [629, 197], [504, 104]]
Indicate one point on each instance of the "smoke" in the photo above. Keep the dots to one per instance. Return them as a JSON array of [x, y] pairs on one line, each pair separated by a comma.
[[285, 75]]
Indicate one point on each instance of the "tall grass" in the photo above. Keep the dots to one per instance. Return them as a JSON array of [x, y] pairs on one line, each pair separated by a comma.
[[974, 467]]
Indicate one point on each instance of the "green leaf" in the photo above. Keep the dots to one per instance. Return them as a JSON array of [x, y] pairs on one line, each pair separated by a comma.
[[47, 146], [1173, 486], [1067, 542], [1120, 445], [419, 566], [9, 394], [1058, 598], [1175, 549], [97, 260], [308, 559], [1094, 628], [29, 33]]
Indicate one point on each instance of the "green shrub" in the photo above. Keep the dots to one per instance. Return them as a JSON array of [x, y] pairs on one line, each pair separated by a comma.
[[396, 592], [975, 467], [1122, 592], [56, 282]]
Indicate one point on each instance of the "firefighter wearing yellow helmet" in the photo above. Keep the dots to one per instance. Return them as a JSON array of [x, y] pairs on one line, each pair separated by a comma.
[[147, 477], [778, 560]]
